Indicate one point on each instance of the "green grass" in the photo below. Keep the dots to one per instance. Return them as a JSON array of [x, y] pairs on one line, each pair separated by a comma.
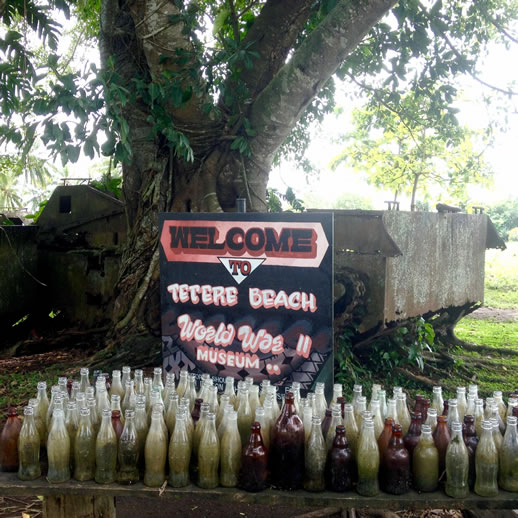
[[501, 279], [488, 332]]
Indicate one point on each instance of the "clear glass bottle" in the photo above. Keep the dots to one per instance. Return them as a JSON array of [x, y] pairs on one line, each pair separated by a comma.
[[139, 382], [72, 424], [129, 400], [43, 406], [368, 461], [382, 396], [39, 422], [486, 463], [230, 452], [396, 462], [315, 457], [126, 375], [392, 411], [208, 455], [170, 415], [357, 392], [128, 451], [253, 474], [494, 414], [403, 413], [462, 404], [84, 448], [453, 414], [223, 401], [479, 416], [182, 383], [141, 427], [470, 409], [431, 419], [473, 390], [336, 420], [54, 393], [376, 415], [359, 408], [147, 392], [499, 401], [457, 465], [85, 380], [253, 398], [180, 447], [95, 417], [244, 415], [116, 386], [337, 392], [340, 471], [106, 451], [58, 449], [320, 401], [351, 428], [425, 462], [29, 447], [508, 458], [307, 419], [437, 400], [287, 448], [157, 379], [261, 418], [155, 452], [213, 399]]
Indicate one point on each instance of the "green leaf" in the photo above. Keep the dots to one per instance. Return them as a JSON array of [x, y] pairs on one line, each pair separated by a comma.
[[220, 20]]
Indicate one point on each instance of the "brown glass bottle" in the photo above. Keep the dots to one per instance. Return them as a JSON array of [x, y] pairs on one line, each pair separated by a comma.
[[445, 407], [396, 464], [442, 437], [414, 431], [117, 423], [419, 404], [470, 440], [341, 402], [287, 448], [9, 442], [253, 474], [384, 438], [340, 464]]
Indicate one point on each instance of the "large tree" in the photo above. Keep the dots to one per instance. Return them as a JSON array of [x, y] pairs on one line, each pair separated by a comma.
[[199, 97]]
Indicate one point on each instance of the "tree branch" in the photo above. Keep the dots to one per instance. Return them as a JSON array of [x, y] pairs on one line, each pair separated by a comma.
[[280, 104]]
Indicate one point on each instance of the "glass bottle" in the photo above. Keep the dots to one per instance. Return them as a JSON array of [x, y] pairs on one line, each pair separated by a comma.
[[473, 390], [377, 419], [155, 452], [43, 406], [287, 448], [431, 418], [368, 461], [337, 392], [39, 422], [425, 462], [84, 448], [230, 391], [340, 471], [396, 463], [494, 414], [116, 386], [72, 424], [497, 436], [499, 401], [157, 379], [462, 404], [382, 396], [403, 413], [223, 401], [336, 420], [479, 416], [213, 399], [357, 392], [195, 414], [182, 383], [29, 447], [128, 401], [315, 457], [359, 409], [486, 463], [9, 442], [85, 380], [419, 405], [453, 413], [101, 398], [170, 415], [351, 428], [126, 375], [128, 451], [54, 393], [244, 415], [392, 411], [471, 442], [253, 398], [307, 418], [147, 392], [190, 393], [442, 437], [253, 474], [230, 452], [139, 382], [117, 423], [320, 401], [208, 455], [511, 403], [261, 418], [106, 451], [490, 401], [58, 449], [271, 392], [95, 417], [221, 428], [326, 422], [180, 448], [414, 431], [508, 458], [437, 400], [470, 409], [457, 465], [384, 439]]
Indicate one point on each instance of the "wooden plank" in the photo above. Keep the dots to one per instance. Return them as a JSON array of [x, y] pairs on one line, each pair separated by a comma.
[[10, 485], [79, 507]]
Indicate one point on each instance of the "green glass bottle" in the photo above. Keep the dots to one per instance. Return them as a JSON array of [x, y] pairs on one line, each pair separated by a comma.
[[230, 455], [208, 455], [58, 449], [508, 456], [128, 451], [425, 461], [368, 460], [315, 457], [155, 452], [180, 447]]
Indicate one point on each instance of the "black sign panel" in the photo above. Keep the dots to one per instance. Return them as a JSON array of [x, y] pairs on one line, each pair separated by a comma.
[[248, 295]]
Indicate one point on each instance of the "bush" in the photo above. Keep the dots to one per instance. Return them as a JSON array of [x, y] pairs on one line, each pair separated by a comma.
[[513, 234]]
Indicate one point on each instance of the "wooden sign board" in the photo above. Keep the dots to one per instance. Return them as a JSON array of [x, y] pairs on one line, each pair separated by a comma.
[[248, 295]]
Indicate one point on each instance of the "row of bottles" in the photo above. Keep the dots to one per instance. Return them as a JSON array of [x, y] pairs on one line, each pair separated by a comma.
[[138, 428]]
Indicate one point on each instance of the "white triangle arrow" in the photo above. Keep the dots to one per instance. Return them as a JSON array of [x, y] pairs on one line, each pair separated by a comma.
[[240, 268]]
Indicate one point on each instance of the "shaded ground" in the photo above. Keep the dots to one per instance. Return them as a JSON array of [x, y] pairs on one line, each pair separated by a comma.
[[495, 314]]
